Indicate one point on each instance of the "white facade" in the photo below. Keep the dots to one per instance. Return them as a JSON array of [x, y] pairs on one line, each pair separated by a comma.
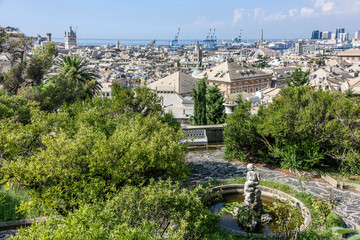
[[70, 39], [357, 35]]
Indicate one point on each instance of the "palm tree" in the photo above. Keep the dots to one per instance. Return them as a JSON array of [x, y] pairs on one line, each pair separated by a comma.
[[74, 69]]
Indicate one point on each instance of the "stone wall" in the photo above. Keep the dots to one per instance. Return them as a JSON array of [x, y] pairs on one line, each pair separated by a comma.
[[213, 132]]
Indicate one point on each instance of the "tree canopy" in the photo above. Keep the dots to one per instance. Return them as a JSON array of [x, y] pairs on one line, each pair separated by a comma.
[[303, 128], [199, 97], [298, 78], [215, 111]]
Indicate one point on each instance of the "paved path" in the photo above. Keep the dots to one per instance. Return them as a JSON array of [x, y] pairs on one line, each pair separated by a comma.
[[210, 165]]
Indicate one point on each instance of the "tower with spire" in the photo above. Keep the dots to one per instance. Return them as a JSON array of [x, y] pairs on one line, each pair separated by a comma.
[[70, 38], [197, 57]]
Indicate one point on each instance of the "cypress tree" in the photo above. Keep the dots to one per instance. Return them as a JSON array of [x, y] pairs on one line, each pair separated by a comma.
[[199, 97], [215, 106]]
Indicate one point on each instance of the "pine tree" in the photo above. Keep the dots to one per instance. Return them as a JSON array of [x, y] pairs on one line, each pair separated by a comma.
[[199, 97], [215, 106], [298, 78]]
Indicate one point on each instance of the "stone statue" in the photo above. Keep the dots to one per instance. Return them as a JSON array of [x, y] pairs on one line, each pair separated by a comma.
[[251, 192], [253, 198]]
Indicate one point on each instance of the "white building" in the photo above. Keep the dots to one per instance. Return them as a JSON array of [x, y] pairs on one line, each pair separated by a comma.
[[357, 35], [70, 39]]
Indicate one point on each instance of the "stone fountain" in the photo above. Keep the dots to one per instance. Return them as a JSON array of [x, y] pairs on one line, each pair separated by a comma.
[[252, 201]]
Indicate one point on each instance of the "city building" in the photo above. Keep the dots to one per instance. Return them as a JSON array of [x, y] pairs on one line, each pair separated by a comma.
[[70, 39], [178, 82], [236, 77], [338, 32], [343, 37], [357, 35], [326, 35], [351, 55], [299, 48], [315, 34]]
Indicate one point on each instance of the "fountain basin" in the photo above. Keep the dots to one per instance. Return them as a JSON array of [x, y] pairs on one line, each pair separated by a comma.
[[228, 191]]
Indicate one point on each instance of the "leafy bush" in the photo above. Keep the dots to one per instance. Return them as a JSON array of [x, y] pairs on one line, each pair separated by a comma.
[[303, 128], [151, 212]]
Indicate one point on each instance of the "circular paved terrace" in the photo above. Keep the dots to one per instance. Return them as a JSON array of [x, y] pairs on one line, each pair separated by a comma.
[[210, 165]]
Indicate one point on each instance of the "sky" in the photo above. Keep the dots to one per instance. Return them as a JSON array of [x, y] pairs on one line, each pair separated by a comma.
[[160, 19]]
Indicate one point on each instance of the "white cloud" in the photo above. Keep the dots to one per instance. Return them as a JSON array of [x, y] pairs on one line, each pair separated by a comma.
[[293, 12], [202, 22], [307, 12], [238, 14], [260, 15], [326, 6]]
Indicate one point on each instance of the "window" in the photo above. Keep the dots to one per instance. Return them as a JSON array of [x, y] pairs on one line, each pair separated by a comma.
[[107, 94]]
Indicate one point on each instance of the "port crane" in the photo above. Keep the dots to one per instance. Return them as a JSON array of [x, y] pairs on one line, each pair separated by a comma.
[[174, 44], [149, 45], [210, 42]]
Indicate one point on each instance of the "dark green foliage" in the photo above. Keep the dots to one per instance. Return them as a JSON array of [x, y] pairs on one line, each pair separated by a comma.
[[39, 63], [74, 70], [199, 97], [72, 82], [240, 135], [141, 100], [286, 217], [10, 201], [261, 62], [84, 154], [298, 78], [303, 128], [12, 80], [152, 212], [14, 107], [215, 106], [3, 38]]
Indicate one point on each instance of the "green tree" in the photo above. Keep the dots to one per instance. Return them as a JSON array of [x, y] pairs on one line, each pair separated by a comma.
[[14, 107], [298, 78], [3, 39], [240, 136], [261, 61], [157, 211], [215, 106], [12, 80], [83, 156], [74, 69], [39, 63], [199, 97], [302, 128]]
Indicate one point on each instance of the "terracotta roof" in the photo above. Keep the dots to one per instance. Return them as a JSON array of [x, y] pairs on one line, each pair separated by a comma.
[[350, 53], [178, 82], [232, 71]]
